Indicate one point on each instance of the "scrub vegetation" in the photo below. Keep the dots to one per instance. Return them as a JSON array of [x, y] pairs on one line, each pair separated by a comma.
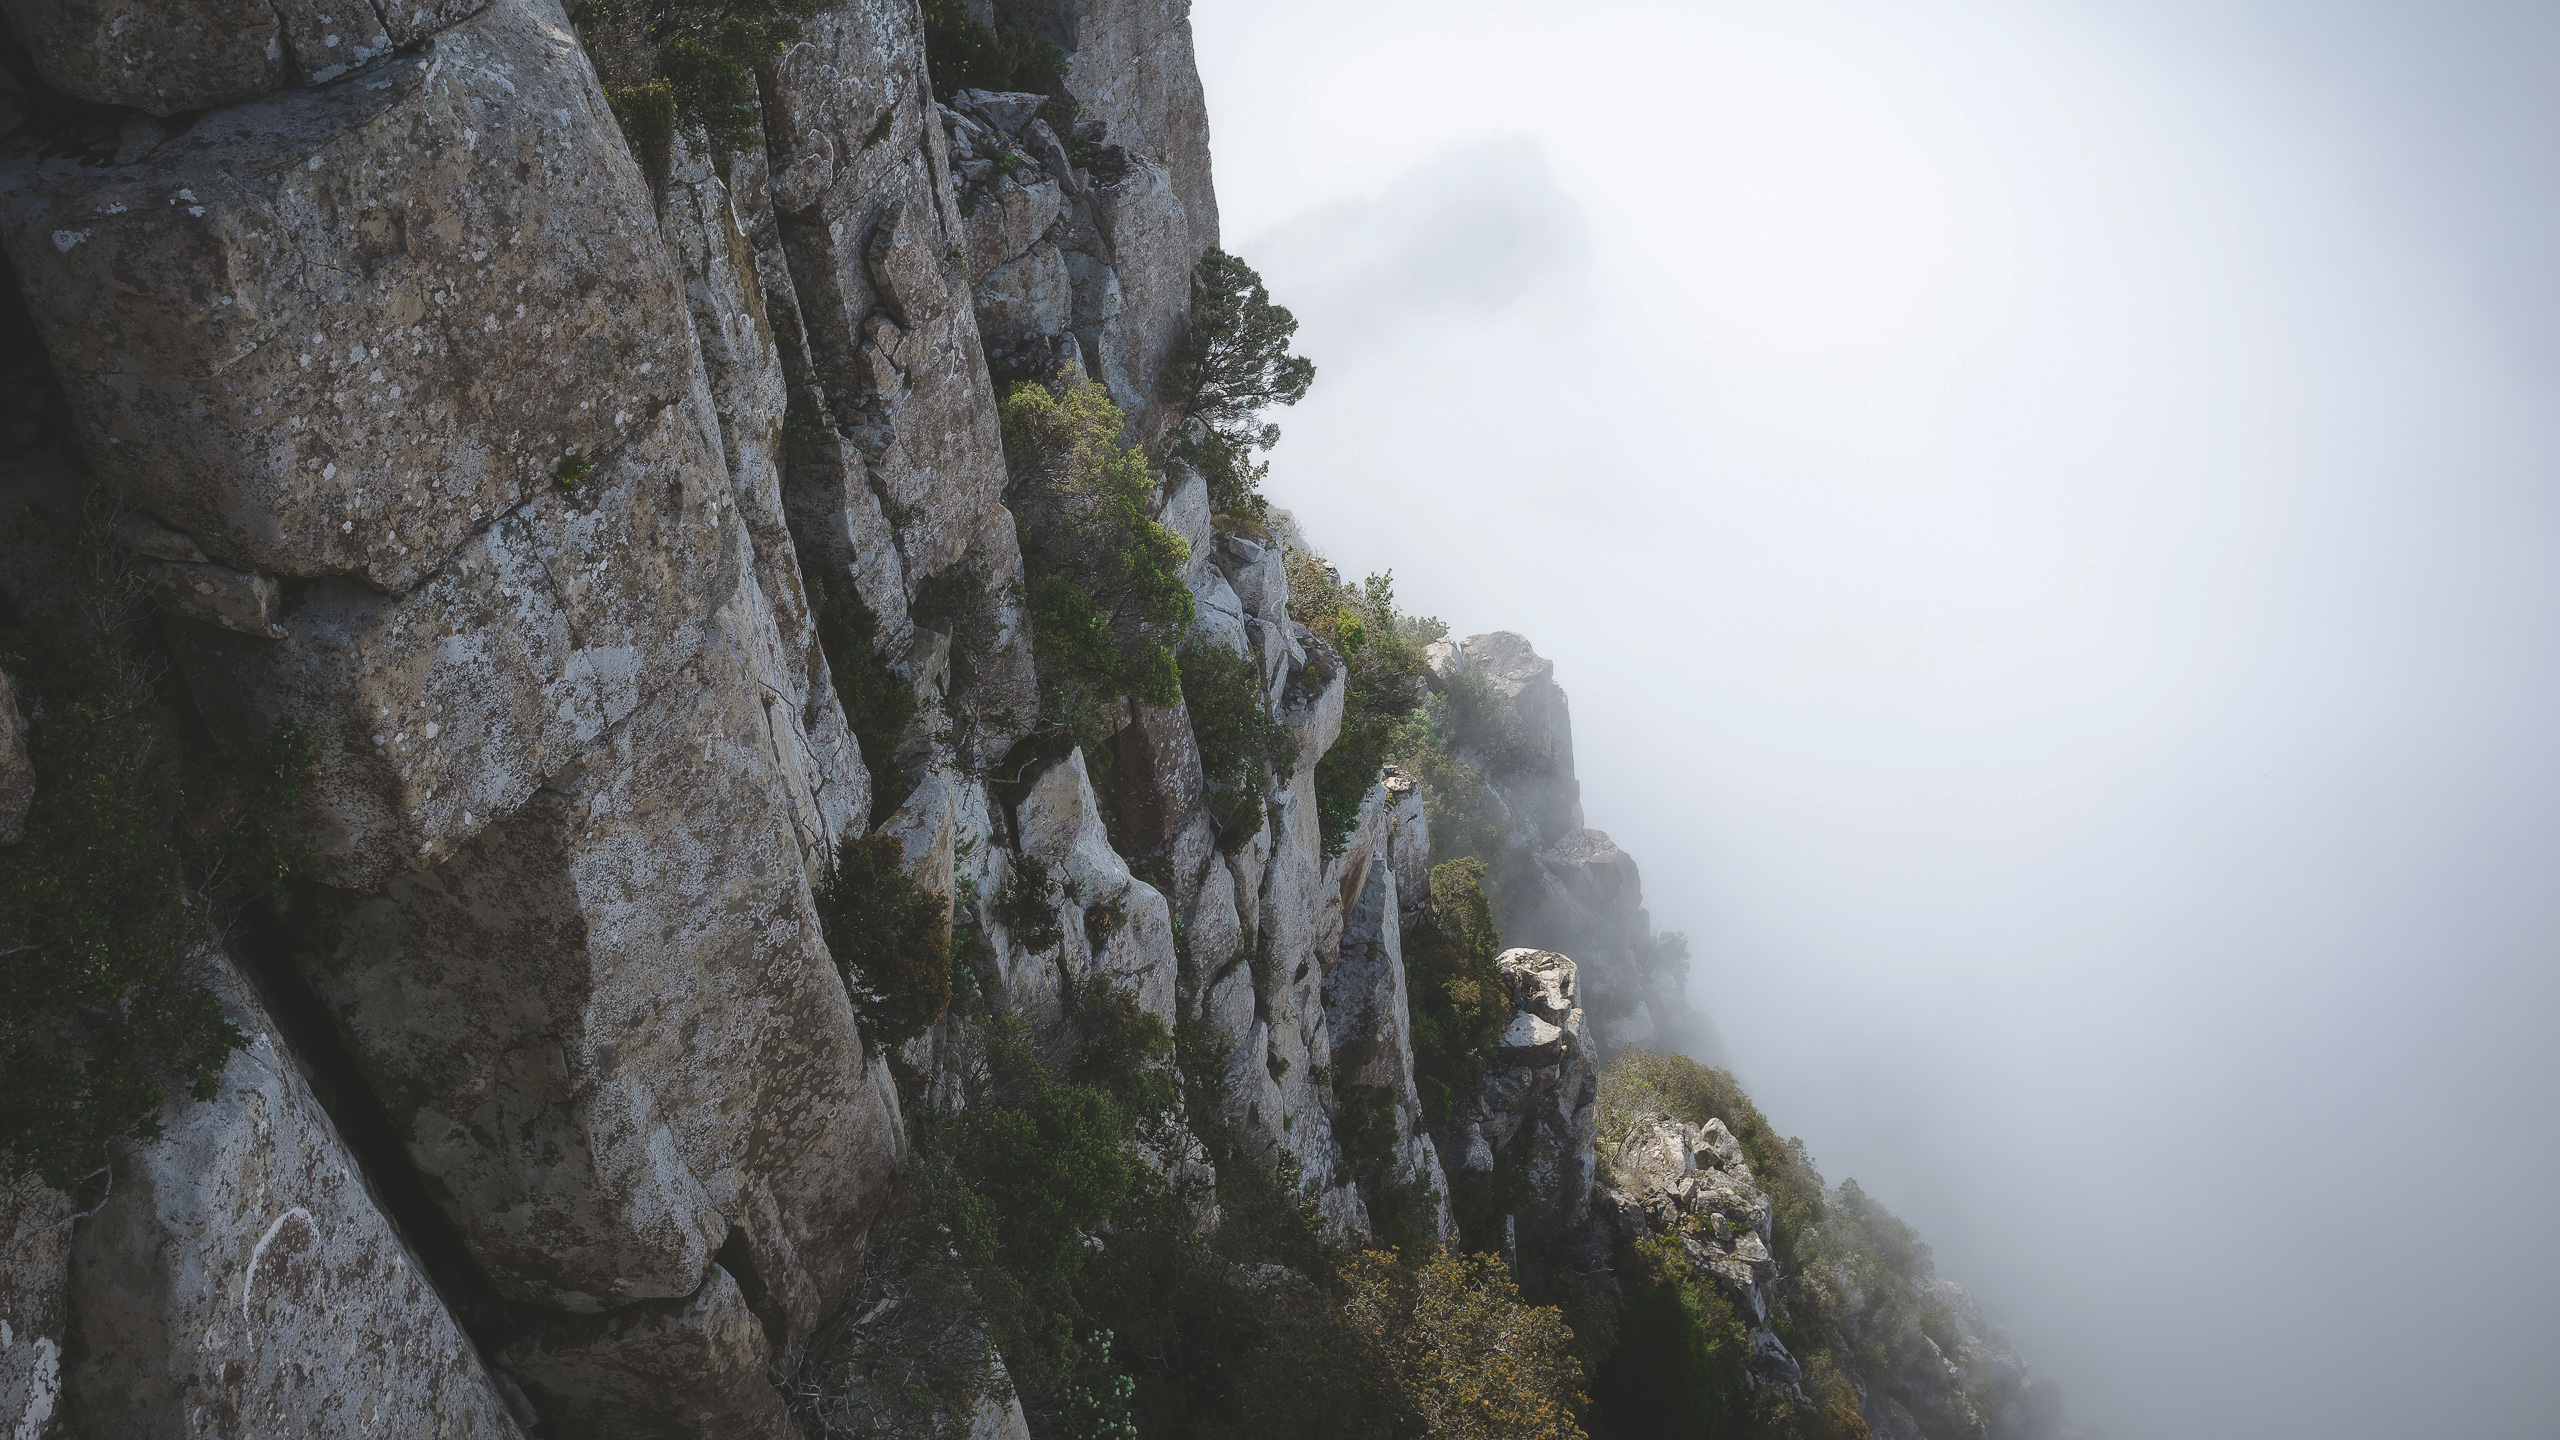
[[144, 840]]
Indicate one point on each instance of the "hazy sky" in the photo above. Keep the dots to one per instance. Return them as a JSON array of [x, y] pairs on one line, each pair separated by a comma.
[[2050, 519]]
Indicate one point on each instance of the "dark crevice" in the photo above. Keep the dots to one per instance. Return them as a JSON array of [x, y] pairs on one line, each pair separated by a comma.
[[739, 1260], [262, 944]]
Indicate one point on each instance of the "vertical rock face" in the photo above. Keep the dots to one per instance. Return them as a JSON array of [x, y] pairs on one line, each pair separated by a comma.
[[522, 474], [241, 1280]]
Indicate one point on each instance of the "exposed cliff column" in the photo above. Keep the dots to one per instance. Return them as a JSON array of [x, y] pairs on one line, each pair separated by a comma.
[[868, 226], [409, 357], [1131, 67]]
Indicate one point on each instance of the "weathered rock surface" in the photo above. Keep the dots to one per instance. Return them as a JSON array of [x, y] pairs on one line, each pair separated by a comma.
[[1534, 1112], [673, 1369], [241, 1280], [336, 332], [17, 775]]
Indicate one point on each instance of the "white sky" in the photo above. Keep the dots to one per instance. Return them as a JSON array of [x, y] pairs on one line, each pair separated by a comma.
[[2048, 515]]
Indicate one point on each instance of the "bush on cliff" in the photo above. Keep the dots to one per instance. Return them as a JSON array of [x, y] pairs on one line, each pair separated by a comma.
[[1107, 598], [962, 53], [891, 936], [1232, 365], [1241, 745], [878, 701], [1384, 681], [1453, 988], [142, 841], [665, 63]]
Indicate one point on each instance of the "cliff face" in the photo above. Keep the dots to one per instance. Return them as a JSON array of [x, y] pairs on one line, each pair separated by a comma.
[[516, 467]]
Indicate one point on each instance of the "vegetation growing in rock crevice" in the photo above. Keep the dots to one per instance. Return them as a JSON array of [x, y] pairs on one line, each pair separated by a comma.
[[963, 53], [1032, 1226], [142, 842], [1233, 363], [670, 63], [1241, 746], [1385, 682], [878, 702], [1454, 990], [890, 935], [1106, 593], [1850, 1275]]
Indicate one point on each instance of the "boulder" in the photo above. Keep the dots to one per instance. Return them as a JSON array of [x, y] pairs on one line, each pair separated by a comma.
[[1060, 821], [312, 333], [689, 1369], [609, 1032], [241, 1280]]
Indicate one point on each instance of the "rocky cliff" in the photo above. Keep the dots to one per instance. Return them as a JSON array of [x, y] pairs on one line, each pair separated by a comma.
[[596, 522]]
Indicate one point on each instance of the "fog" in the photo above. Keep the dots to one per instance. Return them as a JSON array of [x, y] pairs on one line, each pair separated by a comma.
[[2049, 518]]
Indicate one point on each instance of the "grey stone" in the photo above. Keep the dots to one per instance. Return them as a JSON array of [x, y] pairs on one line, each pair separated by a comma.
[[241, 1282], [328, 38], [1007, 222], [900, 362], [313, 335], [219, 595], [1006, 110], [689, 1369], [1060, 820], [609, 1031], [1023, 299], [1141, 219], [17, 774], [163, 56], [437, 712]]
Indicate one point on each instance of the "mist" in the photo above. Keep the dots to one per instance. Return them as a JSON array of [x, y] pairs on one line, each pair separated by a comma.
[[2049, 517]]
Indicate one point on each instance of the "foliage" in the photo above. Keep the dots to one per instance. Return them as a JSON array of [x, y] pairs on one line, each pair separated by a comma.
[[1454, 990], [1680, 1368], [670, 63], [1024, 906], [961, 604], [141, 841], [1639, 1082], [891, 936], [1402, 1211], [1473, 1361], [962, 53], [1851, 1276], [879, 703], [1241, 745], [1107, 596], [1385, 680], [1233, 363]]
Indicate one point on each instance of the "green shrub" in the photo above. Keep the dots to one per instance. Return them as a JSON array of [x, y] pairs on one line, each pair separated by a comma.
[[1385, 681], [960, 53], [1241, 745], [1233, 363], [1681, 1367], [1472, 1360], [1023, 904], [891, 937], [138, 845], [666, 63], [1107, 597], [1454, 990], [879, 703]]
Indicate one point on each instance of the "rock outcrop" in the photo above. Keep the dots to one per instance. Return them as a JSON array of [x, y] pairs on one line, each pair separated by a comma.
[[565, 479]]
